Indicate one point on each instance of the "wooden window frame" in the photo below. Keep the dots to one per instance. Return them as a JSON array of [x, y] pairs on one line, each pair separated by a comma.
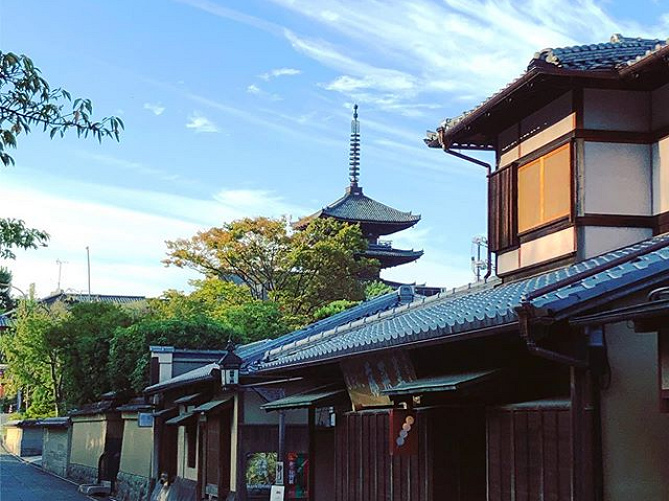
[[568, 216]]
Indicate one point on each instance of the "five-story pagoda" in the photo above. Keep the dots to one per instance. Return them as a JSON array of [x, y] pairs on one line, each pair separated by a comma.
[[375, 219]]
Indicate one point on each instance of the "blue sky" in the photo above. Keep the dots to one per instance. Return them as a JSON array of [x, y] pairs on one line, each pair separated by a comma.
[[241, 108]]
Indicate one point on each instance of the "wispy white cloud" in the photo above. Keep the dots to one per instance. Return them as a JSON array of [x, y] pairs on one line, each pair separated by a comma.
[[257, 91], [130, 165], [125, 230], [155, 108], [199, 123], [390, 52], [279, 72]]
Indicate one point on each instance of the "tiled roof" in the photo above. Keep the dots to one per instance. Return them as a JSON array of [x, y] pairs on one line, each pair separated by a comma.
[[69, 297], [354, 206], [610, 55], [618, 53], [365, 309], [557, 294], [252, 353], [385, 251]]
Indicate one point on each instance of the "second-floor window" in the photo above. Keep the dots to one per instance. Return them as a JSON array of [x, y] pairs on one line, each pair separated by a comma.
[[544, 189]]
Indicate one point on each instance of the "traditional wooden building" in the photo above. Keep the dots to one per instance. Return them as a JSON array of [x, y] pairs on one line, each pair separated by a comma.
[[499, 391], [217, 441], [375, 219]]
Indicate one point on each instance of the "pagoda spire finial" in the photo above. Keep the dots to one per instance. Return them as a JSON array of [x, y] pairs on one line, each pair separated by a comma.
[[354, 156]]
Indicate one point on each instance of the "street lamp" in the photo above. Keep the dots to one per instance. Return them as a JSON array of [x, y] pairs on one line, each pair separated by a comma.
[[230, 364]]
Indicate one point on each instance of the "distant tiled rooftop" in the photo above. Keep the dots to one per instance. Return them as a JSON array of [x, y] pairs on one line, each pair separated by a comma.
[[556, 294]]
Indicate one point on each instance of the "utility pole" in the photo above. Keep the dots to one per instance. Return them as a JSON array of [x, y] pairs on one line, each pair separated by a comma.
[[88, 258], [479, 264], [60, 270]]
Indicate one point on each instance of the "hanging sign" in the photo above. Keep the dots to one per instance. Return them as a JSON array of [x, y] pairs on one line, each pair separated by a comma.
[[403, 433]]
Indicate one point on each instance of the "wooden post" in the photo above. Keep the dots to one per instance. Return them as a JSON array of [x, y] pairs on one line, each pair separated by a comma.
[[582, 426], [311, 453]]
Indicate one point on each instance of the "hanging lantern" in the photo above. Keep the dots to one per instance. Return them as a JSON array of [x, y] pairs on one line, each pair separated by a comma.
[[230, 364]]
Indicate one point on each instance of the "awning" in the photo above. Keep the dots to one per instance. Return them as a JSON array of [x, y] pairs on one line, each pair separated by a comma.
[[644, 313], [188, 399], [306, 400], [445, 383], [165, 413], [181, 420], [212, 405]]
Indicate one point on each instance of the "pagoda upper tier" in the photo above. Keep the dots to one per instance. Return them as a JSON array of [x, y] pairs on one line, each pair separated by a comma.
[[375, 219]]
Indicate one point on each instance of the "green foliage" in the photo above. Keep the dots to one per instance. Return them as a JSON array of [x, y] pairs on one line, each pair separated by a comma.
[[35, 357], [27, 100], [377, 288], [300, 271], [6, 302], [333, 308], [129, 349], [15, 234], [86, 334]]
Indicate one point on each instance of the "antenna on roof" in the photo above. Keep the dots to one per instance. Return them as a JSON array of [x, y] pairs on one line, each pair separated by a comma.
[[354, 156]]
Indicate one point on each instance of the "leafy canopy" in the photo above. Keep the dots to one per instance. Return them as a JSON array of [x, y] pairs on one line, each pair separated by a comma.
[[27, 100], [300, 271]]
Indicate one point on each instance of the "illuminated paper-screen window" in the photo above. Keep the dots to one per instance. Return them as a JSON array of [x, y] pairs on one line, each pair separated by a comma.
[[544, 189]]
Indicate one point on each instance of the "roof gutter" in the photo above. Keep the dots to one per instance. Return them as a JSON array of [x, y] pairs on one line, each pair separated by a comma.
[[488, 168]]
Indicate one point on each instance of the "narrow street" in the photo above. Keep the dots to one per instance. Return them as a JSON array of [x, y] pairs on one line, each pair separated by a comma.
[[23, 482]]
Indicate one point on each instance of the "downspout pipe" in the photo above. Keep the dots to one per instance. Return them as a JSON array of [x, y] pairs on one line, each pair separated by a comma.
[[524, 312], [488, 168]]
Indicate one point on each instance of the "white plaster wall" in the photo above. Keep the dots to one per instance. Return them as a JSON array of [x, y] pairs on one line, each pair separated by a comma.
[[660, 110], [617, 178], [551, 246], [634, 433], [597, 240], [183, 470], [616, 110], [661, 176], [553, 120], [508, 261]]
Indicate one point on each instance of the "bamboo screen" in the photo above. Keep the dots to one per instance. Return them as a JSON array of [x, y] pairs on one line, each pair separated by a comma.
[[544, 189]]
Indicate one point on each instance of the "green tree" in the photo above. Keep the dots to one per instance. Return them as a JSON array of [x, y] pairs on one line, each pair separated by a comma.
[[27, 101], [129, 350], [227, 303], [301, 271], [35, 357], [85, 336], [377, 288]]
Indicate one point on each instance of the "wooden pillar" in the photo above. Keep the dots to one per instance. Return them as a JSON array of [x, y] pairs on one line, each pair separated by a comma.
[[582, 428], [311, 453]]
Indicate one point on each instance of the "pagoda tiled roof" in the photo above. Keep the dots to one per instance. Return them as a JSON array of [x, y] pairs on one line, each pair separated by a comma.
[[356, 207], [488, 309]]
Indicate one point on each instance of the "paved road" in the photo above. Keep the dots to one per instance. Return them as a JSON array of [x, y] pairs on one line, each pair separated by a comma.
[[24, 482]]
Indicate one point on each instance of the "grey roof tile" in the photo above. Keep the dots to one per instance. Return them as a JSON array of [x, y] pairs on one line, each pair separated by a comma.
[[450, 314]]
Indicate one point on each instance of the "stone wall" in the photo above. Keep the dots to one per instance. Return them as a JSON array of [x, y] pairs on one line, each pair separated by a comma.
[[82, 474], [131, 487]]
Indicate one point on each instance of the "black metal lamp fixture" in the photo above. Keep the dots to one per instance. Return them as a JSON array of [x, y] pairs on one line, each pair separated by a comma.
[[230, 364]]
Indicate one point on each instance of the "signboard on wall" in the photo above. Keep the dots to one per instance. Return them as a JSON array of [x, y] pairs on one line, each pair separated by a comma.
[[366, 376], [277, 493]]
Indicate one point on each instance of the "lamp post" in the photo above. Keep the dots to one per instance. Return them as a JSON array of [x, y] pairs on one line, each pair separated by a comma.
[[230, 365]]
